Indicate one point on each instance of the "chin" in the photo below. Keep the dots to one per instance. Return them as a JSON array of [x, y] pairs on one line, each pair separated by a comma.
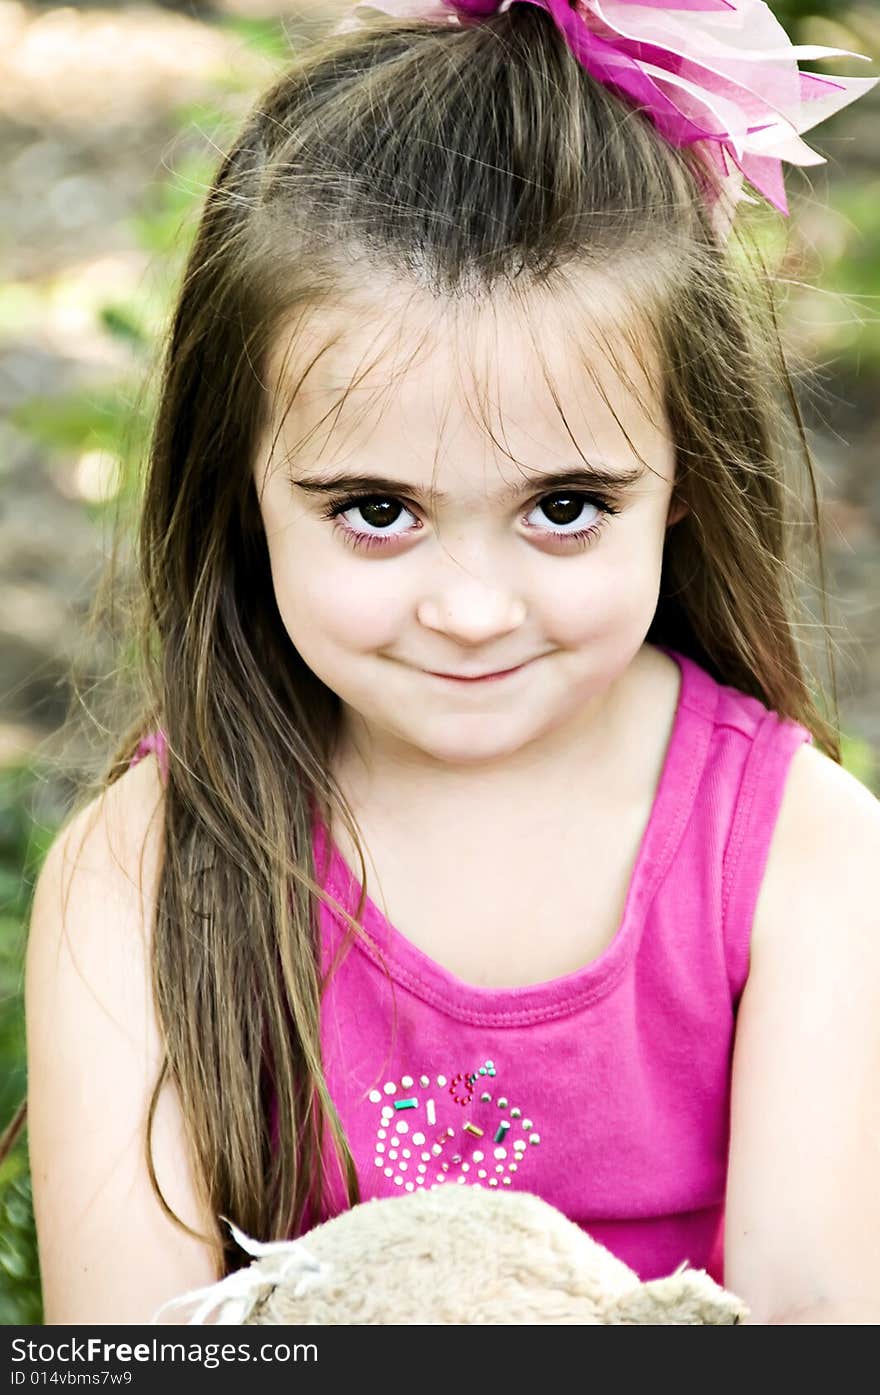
[[473, 742]]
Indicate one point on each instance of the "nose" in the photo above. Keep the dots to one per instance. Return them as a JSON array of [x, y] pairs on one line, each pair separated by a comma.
[[471, 611]]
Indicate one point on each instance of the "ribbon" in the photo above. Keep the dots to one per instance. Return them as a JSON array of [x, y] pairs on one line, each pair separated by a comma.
[[718, 74]]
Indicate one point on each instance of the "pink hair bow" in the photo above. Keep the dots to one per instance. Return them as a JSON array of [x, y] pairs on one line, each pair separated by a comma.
[[719, 72]]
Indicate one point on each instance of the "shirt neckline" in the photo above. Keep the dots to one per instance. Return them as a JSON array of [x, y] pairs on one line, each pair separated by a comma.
[[429, 980]]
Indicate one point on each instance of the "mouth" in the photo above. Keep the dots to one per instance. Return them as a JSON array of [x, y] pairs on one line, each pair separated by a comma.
[[479, 678]]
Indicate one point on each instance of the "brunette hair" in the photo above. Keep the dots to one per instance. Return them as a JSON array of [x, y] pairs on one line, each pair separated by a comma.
[[463, 163]]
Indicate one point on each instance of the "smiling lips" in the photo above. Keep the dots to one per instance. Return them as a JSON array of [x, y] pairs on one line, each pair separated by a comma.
[[480, 678]]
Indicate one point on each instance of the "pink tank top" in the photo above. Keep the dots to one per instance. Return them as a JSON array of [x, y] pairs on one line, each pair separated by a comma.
[[605, 1091]]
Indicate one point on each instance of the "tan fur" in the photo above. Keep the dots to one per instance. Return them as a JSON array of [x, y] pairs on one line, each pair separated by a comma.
[[455, 1255]]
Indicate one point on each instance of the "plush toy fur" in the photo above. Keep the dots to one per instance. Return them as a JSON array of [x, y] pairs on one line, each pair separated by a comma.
[[452, 1255]]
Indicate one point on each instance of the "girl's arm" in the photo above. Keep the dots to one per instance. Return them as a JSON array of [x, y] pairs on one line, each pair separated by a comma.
[[802, 1226], [108, 1253]]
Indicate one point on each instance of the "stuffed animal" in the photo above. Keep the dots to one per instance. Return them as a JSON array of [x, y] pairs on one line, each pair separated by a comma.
[[450, 1255]]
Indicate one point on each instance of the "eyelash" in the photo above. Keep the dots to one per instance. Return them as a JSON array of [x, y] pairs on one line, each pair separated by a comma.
[[367, 541]]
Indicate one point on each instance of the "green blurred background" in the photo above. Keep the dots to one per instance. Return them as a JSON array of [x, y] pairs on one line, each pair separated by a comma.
[[111, 117]]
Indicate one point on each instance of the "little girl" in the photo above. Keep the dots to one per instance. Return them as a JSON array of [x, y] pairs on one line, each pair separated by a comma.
[[466, 553]]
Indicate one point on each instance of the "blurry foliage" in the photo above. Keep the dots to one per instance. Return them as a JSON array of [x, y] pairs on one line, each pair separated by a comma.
[[792, 13], [117, 420], [110, 420], [265, 36], [21, 1302], [24, 841], [852, 277], [858, 758]]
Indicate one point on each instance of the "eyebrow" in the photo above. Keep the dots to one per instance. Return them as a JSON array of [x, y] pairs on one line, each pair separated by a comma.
[[593, 477]]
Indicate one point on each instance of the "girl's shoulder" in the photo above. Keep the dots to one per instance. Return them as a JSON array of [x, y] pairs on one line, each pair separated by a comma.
[[118, 836], [826, 814], [820, 868], [108, 852], [804, 1128]]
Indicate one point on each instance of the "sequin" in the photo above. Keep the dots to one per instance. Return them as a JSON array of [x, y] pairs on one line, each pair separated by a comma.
[[462, 1086], [461, 1096]]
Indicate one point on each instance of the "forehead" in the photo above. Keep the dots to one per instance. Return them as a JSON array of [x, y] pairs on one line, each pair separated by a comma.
[[535, 380]]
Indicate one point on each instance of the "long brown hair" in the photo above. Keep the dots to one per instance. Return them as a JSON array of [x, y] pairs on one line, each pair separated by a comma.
[[468, 161]]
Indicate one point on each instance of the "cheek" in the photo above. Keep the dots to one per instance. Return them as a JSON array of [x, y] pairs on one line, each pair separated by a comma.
[[612, 591], [328, 603]]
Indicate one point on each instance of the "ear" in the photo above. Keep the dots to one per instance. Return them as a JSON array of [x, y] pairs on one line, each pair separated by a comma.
[[677, 509]]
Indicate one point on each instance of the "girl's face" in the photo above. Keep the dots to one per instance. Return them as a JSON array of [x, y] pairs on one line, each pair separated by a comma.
[[501, 569]]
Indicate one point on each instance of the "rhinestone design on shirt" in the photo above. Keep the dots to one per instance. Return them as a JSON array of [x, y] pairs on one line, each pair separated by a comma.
[[450, 1130]]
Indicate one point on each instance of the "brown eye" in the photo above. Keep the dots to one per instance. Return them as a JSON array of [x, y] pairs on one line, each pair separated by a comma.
[[563, 508], [380, 513]]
